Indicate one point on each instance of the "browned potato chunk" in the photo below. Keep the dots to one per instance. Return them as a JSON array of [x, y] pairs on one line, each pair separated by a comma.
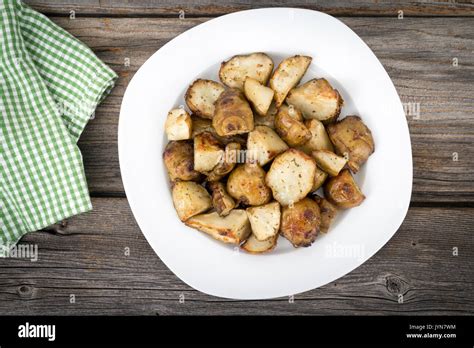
[[300, 222], [178, 125], [190, 199], [246, 184], [291, 176], [201, 125], [328, 213], [201, 96], [259, 95], [179, 161], [254, 246], [319, 138], [343, 191], [232, 156], [258, 66], [329, 161], [287, 75], [207, 152], [263, 145], [316, 99], [352, 137], [221, 201], [233, 114], [233, 228], [289, 125], [265, 220], [319, 179]]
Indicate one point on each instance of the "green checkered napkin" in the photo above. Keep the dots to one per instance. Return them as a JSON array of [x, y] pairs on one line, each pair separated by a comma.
[[50, 85]]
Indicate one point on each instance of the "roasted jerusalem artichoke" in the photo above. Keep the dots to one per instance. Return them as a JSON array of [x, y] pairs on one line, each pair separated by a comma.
[[287, 75], [179, 161], [264, 147], [201, 96], [233, 228], [246, 184], [233, 114], [289, 125], [221, 201], [257, 66], [291, 176], [343, 191], [316, 99], [300, 222], [352, 137], [328, 213]]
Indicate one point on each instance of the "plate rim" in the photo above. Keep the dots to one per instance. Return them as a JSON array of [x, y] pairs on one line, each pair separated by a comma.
[[122, 158]]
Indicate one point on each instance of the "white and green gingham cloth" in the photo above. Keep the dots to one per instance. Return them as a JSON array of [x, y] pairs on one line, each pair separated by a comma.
[[50, 85]]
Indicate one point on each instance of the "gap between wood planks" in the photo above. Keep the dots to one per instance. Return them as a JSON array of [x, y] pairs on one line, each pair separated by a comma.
[[195, 8]]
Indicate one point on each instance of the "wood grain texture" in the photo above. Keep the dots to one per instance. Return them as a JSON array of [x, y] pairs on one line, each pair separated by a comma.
[[416, 52], [209, 7], [85, 257]]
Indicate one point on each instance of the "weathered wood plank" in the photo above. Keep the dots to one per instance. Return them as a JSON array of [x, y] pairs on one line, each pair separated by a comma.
[[417, 54], [208, 7], [85, 257]]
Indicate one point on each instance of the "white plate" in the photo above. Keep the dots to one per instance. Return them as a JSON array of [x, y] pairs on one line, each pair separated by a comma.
[[348, 63]]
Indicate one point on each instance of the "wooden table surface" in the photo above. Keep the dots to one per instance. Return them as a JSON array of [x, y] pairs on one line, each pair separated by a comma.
[[83, 266]]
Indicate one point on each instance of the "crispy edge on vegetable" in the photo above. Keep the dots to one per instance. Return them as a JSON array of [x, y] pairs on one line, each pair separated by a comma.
[[231, 156], [258, 66], [259, 95], [246, 184], [201, 125], [287, 75], [201, 96], [179, 161], [189, 199], [352, 137], [265, 220], [222, 202], [317, 99], [178, 125], [342, 191], [319, 179], [207, 152], [263, 145], [300, 222], [319, 138], [290, 127], [254, 246], [329, 161], [233, 114], [328, 213], [233, 228]]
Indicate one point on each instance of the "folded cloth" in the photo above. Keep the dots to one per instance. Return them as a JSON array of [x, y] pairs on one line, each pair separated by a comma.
[[50, 85]]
